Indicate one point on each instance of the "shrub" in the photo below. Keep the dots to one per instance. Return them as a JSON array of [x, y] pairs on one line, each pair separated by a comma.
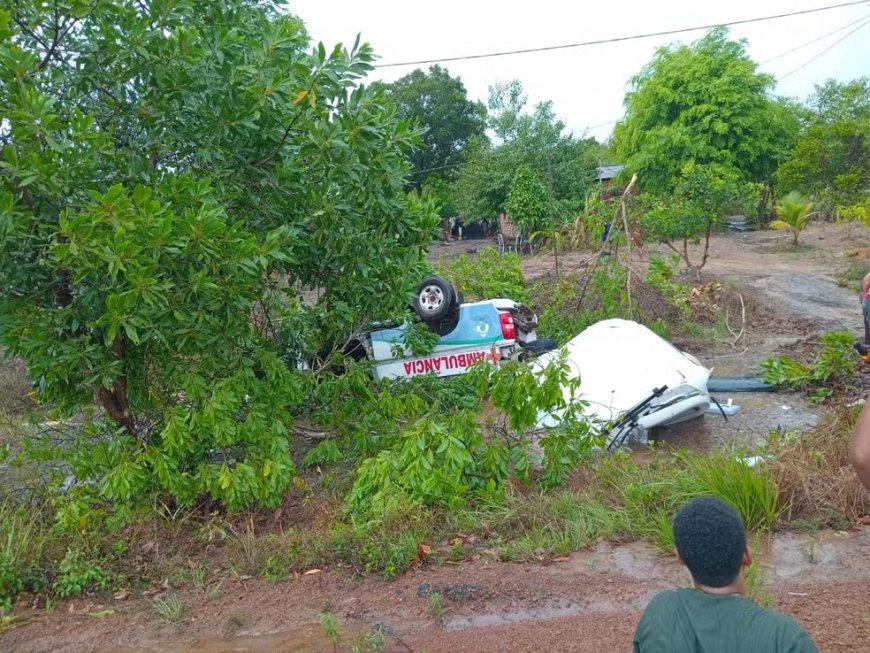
[[446, 458], [573, 302], [814, 473], [488, 276], [795, 213], [79, 573], [836, 361]]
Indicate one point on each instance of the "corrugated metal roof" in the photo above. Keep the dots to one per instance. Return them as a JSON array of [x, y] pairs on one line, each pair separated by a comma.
[[609, 172]]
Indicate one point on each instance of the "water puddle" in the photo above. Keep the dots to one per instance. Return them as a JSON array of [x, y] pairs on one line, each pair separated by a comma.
[[760, 413], [310, 638], [818, 557], [543, 613]]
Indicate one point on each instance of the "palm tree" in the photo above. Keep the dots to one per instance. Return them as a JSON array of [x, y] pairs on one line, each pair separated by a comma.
[[794, 212]]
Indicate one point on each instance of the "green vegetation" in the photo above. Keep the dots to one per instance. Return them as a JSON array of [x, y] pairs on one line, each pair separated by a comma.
[[160, 268], [835, 362], [448, 120], [794, 213], [677, 117], [79, 573], [831, 159], [487, 275], [435, 608], [535, 141], [186, 218], [169, 609], [527, 201], [22, 541]]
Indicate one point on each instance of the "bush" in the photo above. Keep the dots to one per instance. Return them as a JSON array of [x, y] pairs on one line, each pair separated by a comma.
[[814, 473], [573, 302], [650, 495], [445, 458], [836, 361], [79, 573], [488, 276]]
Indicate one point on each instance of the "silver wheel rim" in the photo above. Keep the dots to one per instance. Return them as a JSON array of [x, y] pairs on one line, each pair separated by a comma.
[[431, 298]]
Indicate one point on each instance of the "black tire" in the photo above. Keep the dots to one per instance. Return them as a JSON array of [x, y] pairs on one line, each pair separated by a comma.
[[537, 347], [435, 299]]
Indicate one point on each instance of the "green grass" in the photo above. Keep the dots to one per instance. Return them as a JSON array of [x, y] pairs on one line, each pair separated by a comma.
[[22, 540], [435, 608], [169, 609]]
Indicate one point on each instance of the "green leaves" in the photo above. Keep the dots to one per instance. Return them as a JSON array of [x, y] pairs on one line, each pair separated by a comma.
[[172, 179], [794, 213], [705, 103], [527, 203]]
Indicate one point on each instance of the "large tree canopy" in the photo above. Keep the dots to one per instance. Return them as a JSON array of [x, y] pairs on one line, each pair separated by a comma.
[[169, 170], [831, 160], [439, 105], [535, 140], [705, 103]]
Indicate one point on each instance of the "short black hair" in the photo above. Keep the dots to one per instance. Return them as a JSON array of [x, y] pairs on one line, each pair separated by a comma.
[[710, 538]]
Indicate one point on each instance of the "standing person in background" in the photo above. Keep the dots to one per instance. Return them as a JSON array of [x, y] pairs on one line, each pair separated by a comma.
[[864, 347]]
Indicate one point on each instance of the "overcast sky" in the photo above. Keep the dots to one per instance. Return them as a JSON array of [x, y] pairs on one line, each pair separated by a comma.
[[587, 84]]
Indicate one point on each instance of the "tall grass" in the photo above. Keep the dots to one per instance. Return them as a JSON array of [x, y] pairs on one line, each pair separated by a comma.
[[649, 495], [22, 540], [814, 473], [752, 491]]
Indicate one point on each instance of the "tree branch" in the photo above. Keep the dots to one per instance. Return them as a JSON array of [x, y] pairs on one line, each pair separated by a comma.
[[263, 162]]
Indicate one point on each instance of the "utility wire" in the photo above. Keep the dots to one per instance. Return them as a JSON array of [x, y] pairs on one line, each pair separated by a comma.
[[818, 38], [864, 20], [618, 38], [835, 43]]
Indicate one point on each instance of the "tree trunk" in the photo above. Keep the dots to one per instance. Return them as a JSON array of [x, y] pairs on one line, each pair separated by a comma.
[[114, 400], [683, 255], [706, 248]]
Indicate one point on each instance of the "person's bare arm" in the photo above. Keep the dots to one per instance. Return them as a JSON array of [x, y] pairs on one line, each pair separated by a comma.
[[865, 285], [860, 446]]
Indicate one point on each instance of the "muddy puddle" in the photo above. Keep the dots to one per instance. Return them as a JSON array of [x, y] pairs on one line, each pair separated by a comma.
[[787, 559], [544, 613], [309, 638], [760, 414]]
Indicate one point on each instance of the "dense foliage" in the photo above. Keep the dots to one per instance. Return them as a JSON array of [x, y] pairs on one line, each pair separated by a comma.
[[704, 103], [701, 195], [831, 160], [439, 105], [535, 140], [174, 176]]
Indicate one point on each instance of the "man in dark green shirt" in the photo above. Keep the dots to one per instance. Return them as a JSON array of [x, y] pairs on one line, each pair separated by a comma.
[[714, 616]]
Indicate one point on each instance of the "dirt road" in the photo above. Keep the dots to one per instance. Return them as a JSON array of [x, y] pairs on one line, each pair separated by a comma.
[[590, 601]]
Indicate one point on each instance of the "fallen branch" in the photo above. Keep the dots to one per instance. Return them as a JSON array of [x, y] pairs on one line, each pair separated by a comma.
[[312, 434], [737, 336]]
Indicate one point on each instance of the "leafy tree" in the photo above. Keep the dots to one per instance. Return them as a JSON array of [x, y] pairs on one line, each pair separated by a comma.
[[795, 213], [831, 159], [702, 194], [439, 104], [527, 201], [705, 103], [173, 176], [536, 140]]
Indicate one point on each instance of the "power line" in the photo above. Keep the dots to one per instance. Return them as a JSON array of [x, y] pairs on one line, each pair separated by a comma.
[[863, 19], [835, 43], [818, 38], [618, 38]]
